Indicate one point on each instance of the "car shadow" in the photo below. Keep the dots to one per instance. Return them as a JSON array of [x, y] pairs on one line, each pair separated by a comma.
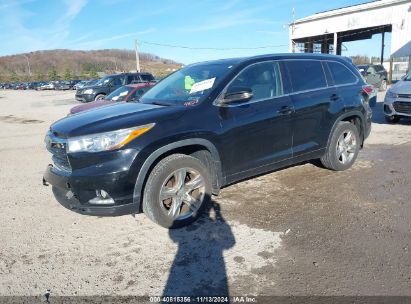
[[198, 268]]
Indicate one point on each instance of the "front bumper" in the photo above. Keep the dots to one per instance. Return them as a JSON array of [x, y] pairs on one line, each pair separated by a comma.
[[397, 107], [75, 190], [85, 97]]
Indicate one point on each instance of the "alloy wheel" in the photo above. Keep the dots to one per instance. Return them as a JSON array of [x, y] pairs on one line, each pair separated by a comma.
[[182, 193], [346, 147]]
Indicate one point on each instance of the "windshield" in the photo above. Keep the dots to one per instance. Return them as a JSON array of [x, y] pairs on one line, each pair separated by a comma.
[[119, 94], [187, 86], [407, 77], [104, 80]]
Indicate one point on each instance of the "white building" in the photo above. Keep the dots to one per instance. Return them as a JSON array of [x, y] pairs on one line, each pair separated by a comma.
[[325, 32]]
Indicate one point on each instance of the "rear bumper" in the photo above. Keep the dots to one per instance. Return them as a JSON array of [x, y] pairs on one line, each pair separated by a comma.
[[74, 193]]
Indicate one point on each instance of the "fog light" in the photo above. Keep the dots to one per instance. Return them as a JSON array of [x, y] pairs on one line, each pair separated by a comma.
[[387, 109], [102, 198]]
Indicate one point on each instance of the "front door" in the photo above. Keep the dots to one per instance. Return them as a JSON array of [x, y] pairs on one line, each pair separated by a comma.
[[257, 134]]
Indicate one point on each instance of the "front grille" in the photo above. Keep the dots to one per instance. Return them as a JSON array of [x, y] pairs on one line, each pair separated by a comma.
[[404, 96], [57, 147], [402, 107]]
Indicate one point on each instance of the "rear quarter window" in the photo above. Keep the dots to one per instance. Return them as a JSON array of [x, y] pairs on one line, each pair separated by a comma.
[[306, 74], [341, 74]]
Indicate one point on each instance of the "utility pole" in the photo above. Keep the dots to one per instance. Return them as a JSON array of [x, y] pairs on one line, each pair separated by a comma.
[[28, 63], [137, 57], [382, 46]]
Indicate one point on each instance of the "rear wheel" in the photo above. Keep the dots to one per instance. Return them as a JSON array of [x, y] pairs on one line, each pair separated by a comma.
[[177, 191], [343, 147], [392, 119]]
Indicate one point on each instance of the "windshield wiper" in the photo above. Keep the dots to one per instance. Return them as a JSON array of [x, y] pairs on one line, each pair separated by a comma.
[[160, 104]]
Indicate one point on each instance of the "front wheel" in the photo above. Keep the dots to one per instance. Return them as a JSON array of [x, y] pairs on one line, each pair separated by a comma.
[[343, 147], [177, 191], [100, 97]]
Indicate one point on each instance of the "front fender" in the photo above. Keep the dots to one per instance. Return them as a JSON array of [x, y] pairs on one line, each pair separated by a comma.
[[157, 154]]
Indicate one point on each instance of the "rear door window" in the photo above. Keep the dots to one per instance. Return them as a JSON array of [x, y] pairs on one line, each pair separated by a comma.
[[306, 74], [341, 74], [131, 78]]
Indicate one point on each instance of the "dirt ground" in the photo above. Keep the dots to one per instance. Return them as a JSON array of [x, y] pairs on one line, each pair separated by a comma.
[[303, 230]]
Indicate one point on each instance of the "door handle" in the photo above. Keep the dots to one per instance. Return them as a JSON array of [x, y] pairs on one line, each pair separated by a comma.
[[286, 110], [334, 97]]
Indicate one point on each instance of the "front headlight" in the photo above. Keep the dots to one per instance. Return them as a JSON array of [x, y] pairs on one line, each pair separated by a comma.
[[88, 91], [106, 141], [391, 94]]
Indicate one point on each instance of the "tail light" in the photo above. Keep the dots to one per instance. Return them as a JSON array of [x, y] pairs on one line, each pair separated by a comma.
[[368, 89]]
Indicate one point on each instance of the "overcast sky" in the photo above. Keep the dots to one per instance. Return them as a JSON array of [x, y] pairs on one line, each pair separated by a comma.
[[30, 25]]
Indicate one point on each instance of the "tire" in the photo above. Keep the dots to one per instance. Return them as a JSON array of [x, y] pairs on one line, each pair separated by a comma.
[[342, 150], [99, 97], [392, 118], [172, 176], [383, 86]]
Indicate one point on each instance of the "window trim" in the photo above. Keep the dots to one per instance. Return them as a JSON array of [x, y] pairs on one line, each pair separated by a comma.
[[278, 61], [217, 102]]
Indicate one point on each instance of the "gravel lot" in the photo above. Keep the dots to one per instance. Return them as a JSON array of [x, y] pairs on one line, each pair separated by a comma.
[[303, 230]]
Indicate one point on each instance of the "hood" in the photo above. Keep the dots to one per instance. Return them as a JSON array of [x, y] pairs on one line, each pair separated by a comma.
[[85, 87], [402, 87], [113, 117], [90, 105]]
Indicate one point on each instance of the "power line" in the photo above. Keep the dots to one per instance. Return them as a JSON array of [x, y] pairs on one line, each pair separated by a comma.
[[251, 48], [211, 48]]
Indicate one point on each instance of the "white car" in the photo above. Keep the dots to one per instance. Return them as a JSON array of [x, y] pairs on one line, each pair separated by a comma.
[[397, 102]]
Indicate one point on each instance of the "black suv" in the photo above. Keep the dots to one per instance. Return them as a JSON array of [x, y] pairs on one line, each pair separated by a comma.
[[206, 126], [374, 74], [108, 84]]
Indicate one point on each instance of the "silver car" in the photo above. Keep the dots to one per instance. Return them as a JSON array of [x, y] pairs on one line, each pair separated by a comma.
[[397, 102]]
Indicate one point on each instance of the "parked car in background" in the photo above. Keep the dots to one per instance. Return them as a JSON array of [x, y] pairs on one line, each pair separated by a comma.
[[63, 85], [127, 93], [50, 85], [397, 101], [110, 83], [374, 74], [204, 127], [74, 83]]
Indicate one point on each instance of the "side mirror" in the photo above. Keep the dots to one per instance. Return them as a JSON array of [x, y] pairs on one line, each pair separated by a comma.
[[237, 94]]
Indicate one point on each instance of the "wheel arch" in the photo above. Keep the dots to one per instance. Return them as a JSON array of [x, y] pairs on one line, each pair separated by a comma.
[[186, 146], [356, 118]]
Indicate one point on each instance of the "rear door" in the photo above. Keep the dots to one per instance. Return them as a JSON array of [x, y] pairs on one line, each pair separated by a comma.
[[347, 85], [257, 134], [313, 101]]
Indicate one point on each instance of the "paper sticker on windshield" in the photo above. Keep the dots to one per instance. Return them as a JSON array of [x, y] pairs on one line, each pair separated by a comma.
[[124, 93], [202, 85], [115, 98]]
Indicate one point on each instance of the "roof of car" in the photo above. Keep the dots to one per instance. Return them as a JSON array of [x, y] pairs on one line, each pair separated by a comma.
[[140, 84], [130, 73], [235, 61]]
